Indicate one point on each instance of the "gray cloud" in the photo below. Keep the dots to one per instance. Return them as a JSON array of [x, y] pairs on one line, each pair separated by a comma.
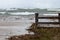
[[30, 3]]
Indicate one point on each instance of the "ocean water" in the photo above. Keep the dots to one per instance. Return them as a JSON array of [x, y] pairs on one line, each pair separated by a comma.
[[9, 26], [14, 25]]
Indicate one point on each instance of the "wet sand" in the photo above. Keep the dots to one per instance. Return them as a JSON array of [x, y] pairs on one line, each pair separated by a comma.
[[8, 29]]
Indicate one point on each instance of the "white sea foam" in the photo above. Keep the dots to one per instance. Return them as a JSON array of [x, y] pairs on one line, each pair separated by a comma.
[[22, 13]]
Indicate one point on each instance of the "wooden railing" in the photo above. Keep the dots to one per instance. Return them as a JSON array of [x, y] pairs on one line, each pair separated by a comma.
[[54, 17]]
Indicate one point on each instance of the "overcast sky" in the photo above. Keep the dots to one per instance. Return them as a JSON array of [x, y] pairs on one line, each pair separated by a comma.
[[29, 3]]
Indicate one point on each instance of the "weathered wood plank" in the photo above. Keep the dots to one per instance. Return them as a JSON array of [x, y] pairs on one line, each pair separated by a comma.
[[48, 23], [48, 17]]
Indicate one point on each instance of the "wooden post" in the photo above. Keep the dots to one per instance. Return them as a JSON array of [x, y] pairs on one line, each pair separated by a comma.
[[36, 19], [59, 18]]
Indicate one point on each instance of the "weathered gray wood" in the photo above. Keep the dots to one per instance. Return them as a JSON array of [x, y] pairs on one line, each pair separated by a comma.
[[54, 17]]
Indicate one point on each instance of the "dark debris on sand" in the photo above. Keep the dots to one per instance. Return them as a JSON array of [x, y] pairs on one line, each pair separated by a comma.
[[41, 33]]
